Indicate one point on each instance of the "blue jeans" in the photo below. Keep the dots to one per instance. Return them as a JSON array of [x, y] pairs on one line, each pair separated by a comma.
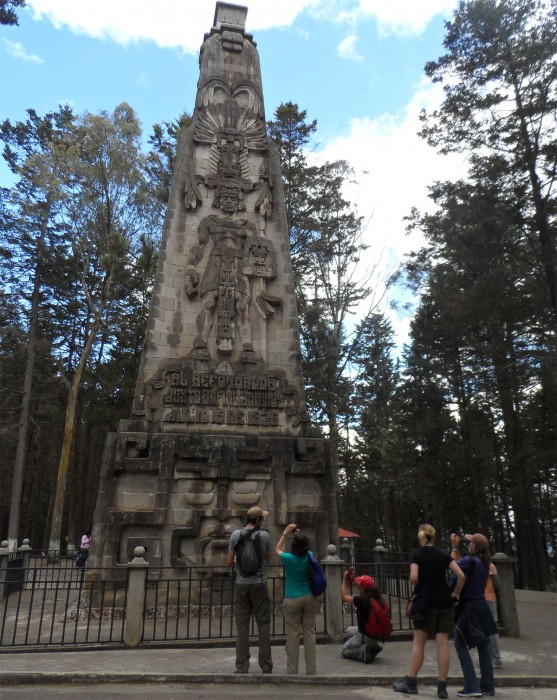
[[471, 685]]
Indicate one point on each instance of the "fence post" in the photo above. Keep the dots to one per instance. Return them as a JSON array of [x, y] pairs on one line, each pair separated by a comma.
[[4, 556], [506, 598], [346, 551], [25, 550], [332, 567], [379, 552], [135, 599], [379, 558]]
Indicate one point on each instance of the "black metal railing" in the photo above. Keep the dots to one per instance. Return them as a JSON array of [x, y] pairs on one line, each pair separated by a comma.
[[61, 605], [201, 606], [63, 608], [15, 574]]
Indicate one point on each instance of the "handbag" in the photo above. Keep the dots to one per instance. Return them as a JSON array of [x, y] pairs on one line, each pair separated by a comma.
[[317, 579], [416, 607]]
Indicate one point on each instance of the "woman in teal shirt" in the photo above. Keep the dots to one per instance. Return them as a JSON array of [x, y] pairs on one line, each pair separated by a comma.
[[299, 604]]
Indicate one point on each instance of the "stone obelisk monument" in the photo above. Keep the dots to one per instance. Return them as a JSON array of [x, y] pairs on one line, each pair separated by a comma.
[[219, 420]]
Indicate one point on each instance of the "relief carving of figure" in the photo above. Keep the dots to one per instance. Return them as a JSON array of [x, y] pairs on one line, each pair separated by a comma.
[[224, 287]]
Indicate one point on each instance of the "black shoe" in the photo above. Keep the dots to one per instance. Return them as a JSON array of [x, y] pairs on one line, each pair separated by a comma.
[[442, 690], [370, 652], [406, 685]]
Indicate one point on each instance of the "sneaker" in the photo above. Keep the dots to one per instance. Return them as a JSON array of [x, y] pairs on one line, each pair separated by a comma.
[[465, 694], [404, 686]]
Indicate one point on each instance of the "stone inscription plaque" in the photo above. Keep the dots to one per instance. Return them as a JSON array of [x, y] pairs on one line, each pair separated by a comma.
[[224, 396]]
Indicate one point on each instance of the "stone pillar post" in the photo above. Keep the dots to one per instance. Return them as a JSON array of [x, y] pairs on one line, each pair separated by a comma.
[[25, 549], [506, 599], [333, 567], [133, 618], [379, 552], [345, 551], [379, 558], [4, 555]]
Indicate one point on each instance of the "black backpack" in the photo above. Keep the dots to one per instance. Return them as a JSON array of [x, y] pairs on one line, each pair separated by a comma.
[[248, 553]]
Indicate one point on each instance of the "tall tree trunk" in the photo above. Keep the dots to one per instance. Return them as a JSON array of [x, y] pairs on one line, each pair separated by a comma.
[[22, 431], [69, 426]]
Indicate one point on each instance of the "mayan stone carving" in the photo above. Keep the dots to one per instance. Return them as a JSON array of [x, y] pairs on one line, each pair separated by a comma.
[[219, 422]]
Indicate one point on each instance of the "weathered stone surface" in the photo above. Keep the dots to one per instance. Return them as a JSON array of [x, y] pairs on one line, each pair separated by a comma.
[[219, 419]]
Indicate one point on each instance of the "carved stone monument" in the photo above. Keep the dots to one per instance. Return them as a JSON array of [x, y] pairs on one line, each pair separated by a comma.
[[219, 421]]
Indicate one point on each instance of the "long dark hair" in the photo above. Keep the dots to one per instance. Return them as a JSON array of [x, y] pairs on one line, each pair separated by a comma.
[[373, 593], [483, 553], [300, 545]]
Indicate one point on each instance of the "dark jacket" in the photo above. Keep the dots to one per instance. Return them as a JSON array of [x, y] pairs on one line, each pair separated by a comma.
[[474, 622]]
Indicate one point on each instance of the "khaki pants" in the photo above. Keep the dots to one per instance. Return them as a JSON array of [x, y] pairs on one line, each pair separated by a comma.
[[299, 613]]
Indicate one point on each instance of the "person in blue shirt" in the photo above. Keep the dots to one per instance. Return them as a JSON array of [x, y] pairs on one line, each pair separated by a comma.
[[474, 622], [299, 605]]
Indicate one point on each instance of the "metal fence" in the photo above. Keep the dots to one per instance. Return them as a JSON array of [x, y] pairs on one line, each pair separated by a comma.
[[200, 607], [61, 605]]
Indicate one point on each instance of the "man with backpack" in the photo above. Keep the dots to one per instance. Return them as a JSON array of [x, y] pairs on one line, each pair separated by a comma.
[[365, 640], [249, 549]]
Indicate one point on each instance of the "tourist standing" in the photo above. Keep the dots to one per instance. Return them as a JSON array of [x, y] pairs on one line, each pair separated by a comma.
[[428, 575], [83, 551], [299, 604], [474, 622], [251, 596], [491, 589]]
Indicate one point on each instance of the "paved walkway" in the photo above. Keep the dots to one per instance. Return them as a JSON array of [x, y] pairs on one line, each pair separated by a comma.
[[530, 660]]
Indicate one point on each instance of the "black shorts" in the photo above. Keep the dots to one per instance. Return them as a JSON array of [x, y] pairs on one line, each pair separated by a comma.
[[436, 621]]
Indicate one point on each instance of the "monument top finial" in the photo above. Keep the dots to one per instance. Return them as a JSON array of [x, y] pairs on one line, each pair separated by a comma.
[[230, 15]]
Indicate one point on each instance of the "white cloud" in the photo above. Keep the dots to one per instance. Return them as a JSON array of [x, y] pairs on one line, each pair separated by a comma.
[[182, 23], [17, 50], [404, 17], [169, 23], [347, 48]]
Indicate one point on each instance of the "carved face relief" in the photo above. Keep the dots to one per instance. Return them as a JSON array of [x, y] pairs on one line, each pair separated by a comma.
[[229, 202], [210, 546]]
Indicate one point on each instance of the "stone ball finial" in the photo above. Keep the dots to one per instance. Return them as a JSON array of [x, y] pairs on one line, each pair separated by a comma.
[[378, 542], [331, 550], [26, 542], [4, 544], [139, 552]]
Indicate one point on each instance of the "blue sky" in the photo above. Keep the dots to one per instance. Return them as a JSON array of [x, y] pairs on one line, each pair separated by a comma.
[[355, 65]]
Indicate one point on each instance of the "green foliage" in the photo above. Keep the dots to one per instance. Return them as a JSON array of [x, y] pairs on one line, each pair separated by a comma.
[[80, 227], [7, 11]]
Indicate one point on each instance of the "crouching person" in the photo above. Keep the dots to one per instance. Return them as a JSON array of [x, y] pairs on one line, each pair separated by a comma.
[[365, 640]]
